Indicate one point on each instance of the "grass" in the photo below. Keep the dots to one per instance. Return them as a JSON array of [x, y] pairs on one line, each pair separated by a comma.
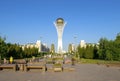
[[57, 65], [94, 61]]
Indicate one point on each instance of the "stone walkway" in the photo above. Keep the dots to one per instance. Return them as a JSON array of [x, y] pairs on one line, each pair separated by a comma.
[[83, 72]]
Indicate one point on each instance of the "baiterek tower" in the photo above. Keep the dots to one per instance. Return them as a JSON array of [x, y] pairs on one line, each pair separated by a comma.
[[59, 24]]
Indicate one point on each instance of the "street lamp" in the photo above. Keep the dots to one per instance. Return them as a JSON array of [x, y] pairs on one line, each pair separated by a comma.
[[75, 44], [76, 54]]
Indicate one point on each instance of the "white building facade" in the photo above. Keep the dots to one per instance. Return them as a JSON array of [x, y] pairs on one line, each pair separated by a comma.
[[82, 44], [41, 47]]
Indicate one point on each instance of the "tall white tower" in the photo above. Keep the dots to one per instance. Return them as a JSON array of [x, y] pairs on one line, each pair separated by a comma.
[[59, 24]]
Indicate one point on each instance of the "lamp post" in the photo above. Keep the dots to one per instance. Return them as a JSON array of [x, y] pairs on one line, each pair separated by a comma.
[[75, 45], [76, 54], [0, 58], [0, 51]]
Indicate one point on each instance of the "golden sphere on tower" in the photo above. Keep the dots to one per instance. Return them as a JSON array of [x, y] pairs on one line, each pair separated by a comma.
[[60, 21]]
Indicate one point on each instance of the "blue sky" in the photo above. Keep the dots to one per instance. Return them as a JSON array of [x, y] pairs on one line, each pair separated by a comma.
[[25, 21]]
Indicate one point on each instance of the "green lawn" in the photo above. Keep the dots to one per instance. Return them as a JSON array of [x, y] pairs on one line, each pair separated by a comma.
[[94, 61]]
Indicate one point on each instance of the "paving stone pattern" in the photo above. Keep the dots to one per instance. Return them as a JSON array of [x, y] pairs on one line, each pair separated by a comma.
[[83, 72]]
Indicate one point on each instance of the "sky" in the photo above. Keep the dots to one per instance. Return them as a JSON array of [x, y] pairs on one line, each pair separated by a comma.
[[26, 21]]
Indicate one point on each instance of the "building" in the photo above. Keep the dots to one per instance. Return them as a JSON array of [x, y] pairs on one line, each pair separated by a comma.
[[41, 47], [73, 47], [84, 44]]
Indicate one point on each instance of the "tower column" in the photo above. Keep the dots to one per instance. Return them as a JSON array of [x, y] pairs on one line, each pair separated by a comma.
[[60, 24]]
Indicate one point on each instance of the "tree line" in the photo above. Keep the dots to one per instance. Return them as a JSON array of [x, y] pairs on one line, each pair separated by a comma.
[[105, 49], [15, 50]]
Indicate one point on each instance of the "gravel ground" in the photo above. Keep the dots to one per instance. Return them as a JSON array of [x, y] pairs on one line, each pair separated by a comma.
[[83, 72]]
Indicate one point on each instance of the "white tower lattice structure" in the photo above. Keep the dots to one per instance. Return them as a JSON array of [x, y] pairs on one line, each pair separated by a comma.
[[60, 24]]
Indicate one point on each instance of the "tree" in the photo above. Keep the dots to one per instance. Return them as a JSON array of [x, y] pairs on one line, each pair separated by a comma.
[[109, 49], [116, 54], [3, 48], [81, 51], [29, 52], [117, 40], [14, 50], [103, 46], [89, 52], [70, 48], [108, 55], [52, 49], [95, 52]]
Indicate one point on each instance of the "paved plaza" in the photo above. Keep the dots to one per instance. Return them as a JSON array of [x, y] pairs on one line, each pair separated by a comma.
[[83, 72]]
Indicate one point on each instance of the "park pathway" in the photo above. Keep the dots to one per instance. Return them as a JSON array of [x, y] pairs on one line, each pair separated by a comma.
[[83, 72]]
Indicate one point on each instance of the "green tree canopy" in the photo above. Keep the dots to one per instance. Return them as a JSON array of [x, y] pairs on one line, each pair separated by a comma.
[[52, 48], [70, 48]]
